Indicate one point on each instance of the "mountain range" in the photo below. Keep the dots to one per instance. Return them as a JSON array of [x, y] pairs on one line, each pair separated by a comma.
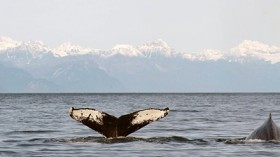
[[33, 67]]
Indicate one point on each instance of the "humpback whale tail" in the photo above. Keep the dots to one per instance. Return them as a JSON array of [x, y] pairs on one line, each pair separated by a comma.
[[267, 131], [110, 126]]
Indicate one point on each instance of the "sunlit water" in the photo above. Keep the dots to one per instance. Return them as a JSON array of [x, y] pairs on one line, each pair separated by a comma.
[[197, 125]]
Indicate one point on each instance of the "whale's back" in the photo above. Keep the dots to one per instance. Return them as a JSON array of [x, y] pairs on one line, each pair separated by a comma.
[[267, 131]]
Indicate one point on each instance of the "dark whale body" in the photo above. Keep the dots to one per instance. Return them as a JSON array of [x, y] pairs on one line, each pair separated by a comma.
[[111, 126], [267, 131]]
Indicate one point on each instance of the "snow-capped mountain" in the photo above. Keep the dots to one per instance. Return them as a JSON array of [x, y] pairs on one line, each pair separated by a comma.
[[7, 43], [158, 46], [21, 53], [150, 67], [256, 50], [246, 50], [205, 55], [123, 50], [36, 48], [69, 49]]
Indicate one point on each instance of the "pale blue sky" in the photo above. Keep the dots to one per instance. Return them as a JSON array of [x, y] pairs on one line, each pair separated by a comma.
[[186, 25]]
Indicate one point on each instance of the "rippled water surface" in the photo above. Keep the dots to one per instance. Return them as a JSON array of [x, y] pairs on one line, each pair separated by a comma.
[[197, 125]]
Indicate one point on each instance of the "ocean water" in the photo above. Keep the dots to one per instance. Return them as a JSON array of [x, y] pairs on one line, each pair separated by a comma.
[[197, 125]]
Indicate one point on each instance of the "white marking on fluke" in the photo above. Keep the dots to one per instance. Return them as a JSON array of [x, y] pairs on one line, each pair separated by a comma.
[[147, 115], [110, 126]]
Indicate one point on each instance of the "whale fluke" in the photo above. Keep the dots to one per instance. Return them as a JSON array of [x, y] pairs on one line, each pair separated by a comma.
[[267, 131], [110, 126]]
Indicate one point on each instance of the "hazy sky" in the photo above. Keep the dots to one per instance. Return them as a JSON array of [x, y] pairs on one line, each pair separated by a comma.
[[186, 25]]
